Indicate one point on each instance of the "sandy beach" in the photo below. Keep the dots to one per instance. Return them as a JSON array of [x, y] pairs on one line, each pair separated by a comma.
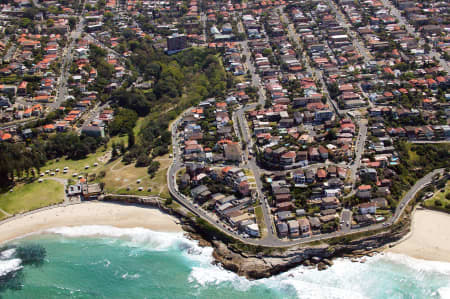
[[429, 239], [90, 213]]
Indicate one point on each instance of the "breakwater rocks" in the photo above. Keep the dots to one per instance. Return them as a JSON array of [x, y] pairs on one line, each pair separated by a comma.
[[255, 262]]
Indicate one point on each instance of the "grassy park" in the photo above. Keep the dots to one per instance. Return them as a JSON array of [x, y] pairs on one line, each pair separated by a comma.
[[440, 200], [31, 196]]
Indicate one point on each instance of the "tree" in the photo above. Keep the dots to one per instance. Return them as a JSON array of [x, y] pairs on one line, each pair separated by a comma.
[[72, 22], [153, 168], [133, 100], [114, 152], [122, 147], [25, 22], [331, 134], [124, 122], [143, 160], [131, 139]]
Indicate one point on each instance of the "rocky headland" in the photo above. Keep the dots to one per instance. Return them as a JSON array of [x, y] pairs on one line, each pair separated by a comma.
[[259, 262]]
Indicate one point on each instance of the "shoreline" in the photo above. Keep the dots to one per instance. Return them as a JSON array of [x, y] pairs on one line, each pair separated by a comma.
[[427, 239], [89, 213], [130, 215]]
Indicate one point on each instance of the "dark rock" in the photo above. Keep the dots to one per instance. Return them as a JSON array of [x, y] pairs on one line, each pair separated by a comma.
[[315, 259], [255, 265], [307, 263], [327, 262], [321, 266]]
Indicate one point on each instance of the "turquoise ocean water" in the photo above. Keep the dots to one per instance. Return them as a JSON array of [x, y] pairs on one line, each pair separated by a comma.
[[108, 262]]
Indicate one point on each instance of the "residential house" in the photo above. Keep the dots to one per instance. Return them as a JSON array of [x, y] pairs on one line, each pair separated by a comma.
[[305, 228], [367, 208], [364, 191], [294, 228]]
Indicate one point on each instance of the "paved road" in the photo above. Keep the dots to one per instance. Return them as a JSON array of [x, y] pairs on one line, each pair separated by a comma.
[[318, 74], [423, 182], [251, 164], [411, 30], [62, 90], [37, 4], [203, 22], [429, 141], [15, 123], [271, 239], [9, 54], [344, 23], [108, 49], [256, 80], [346, 220], [247, 139], [359, 149], [275, 242]]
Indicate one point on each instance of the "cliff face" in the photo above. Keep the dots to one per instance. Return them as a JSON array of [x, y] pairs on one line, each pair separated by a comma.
[[268, 262], [260, 266]]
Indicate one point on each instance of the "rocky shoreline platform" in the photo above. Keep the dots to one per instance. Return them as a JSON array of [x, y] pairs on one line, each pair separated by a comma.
[[256, 262]]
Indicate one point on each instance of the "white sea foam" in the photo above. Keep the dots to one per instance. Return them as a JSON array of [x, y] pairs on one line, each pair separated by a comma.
[[335, 282], [140, 237], [8, 266], [104, 262], [130, 276], [7, 254], [343, 280], [444, 293], [415, 264], [215, 275]]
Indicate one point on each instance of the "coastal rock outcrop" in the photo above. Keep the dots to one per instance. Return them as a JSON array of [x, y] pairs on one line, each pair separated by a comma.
[[274, 261], [256, 263]]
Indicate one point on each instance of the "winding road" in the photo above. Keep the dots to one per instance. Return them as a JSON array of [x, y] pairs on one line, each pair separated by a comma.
[[271, 239]]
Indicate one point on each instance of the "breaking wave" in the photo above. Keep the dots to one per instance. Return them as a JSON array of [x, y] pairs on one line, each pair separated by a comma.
[[382, 276], [135, 237], [8, 266]]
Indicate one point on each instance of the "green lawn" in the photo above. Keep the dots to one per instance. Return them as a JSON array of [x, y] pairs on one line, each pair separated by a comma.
[[440, 197], [27, 197], [76, 166], [120, 176], [260, 221]]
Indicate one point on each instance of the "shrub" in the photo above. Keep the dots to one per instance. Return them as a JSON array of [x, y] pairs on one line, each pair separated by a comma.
[[143, 160], [153, 168]]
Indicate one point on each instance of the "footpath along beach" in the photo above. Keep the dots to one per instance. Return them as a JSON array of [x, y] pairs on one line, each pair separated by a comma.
[[429, 238], [89, 213]]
